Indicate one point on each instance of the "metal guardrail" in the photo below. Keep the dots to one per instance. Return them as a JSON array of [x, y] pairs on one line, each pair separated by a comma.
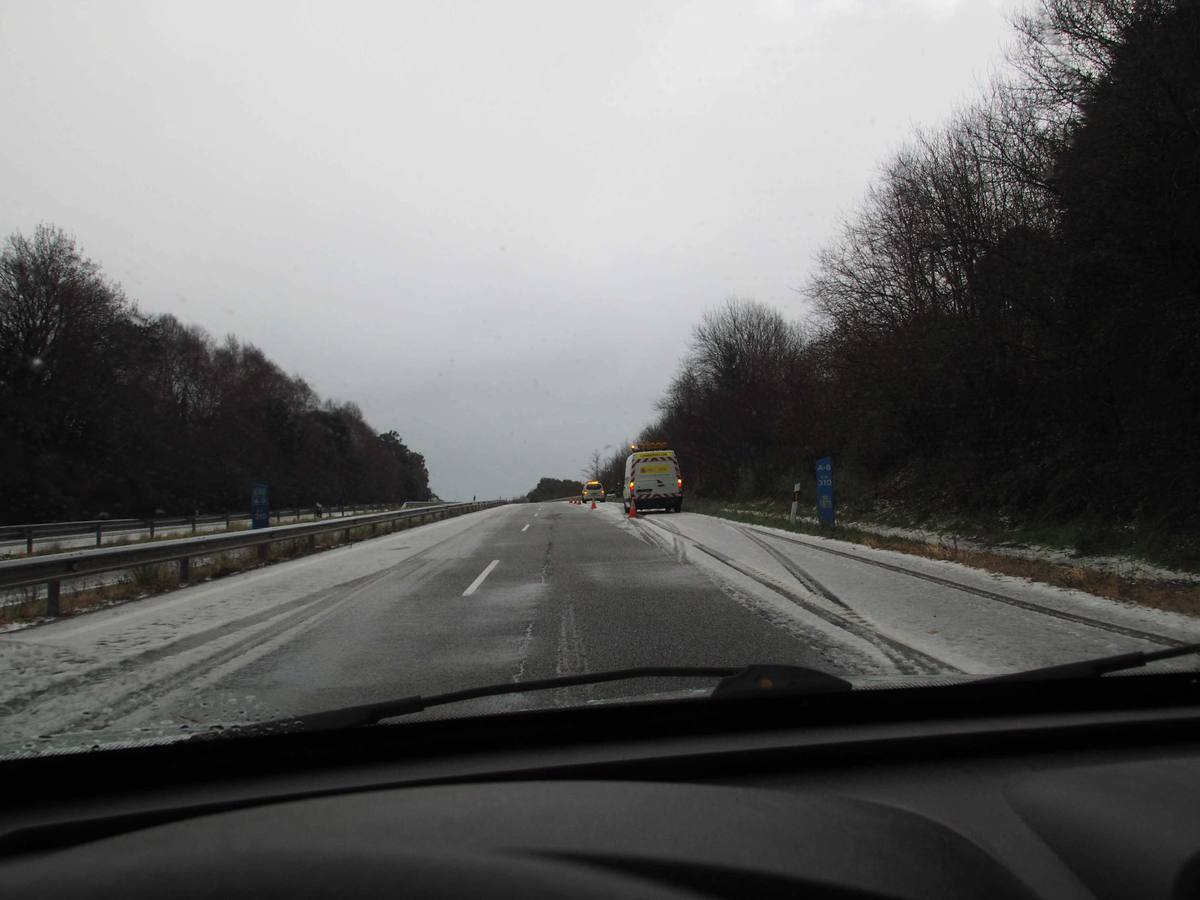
[[52, 570], [29, 533]]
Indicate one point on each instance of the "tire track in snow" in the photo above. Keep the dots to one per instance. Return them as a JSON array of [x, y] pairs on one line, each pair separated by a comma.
[[1075, 618], [800, 574], [184, 677], [908, 660], [274, 620]]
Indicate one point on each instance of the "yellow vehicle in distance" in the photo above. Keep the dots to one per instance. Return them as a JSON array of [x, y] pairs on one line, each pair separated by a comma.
[[594, 490]]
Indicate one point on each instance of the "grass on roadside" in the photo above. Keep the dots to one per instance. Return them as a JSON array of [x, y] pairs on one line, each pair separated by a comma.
[[1167, 595]]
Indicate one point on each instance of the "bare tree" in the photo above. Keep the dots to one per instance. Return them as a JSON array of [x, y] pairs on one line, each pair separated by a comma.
[[595, 466], [54, 303]]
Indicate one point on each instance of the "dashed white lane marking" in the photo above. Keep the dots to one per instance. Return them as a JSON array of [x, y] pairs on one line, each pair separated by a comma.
[[526, 528], [487, 570]]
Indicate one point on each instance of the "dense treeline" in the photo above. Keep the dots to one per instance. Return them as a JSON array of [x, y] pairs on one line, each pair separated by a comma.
[[554, 489], [106, 410], [1011, 321]]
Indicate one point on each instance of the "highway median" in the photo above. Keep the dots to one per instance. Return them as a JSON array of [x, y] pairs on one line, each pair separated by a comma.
[[45, 587]]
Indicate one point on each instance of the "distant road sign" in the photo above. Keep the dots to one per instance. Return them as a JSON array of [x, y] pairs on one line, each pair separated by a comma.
[[826, 511], [260, 506]]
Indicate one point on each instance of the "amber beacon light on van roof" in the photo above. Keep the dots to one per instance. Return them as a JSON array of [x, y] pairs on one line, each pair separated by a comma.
[[648, 445]]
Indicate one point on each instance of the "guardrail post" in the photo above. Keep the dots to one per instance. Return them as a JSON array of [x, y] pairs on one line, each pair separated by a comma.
[[226, 520], [347, 533], [264, 551], [185, 569], [29, 541], [193, 523], [151, 529], [99, 533], [52, 589]]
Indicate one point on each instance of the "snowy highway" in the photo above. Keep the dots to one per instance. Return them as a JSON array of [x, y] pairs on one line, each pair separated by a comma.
[[528, 591]]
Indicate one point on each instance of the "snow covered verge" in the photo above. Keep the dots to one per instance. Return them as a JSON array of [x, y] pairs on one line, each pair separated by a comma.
[[1120, 566], [893, 613]]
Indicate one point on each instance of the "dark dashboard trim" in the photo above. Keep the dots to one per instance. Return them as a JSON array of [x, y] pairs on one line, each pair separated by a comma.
[[680, 742]]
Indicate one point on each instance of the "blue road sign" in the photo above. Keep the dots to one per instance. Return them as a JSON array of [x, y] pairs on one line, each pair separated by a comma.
[[260, 506], [825, 505]]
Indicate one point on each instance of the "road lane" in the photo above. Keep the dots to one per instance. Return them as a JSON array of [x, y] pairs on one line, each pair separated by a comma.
[[570, 594], [54, 676], [614, 601], [557, 589]]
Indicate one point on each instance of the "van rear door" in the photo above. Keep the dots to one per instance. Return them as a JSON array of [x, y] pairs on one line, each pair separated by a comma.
[[655, 475]]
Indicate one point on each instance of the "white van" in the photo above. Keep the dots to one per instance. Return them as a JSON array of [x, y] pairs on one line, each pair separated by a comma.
[[652, 477]]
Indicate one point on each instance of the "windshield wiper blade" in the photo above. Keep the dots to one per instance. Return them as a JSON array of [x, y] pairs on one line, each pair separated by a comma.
[[736, 682], [1094, 668]]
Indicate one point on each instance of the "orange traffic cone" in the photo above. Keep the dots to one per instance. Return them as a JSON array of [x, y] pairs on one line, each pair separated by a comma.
[[633, 507], [593, 504]]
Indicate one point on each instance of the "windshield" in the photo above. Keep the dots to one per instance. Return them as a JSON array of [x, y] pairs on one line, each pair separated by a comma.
[[299, 369]]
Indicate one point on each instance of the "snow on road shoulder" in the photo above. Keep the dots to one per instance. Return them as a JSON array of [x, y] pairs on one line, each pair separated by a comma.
[[977, 633], [157, 636], [1158, 621], [767, 592], [1124, 566]]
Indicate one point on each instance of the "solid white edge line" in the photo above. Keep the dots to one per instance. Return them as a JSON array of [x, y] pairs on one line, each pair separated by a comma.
[[526, 528], [487, 570]]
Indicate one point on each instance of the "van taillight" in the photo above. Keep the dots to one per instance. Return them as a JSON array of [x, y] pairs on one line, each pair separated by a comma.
[[679, 481], [631, 485]]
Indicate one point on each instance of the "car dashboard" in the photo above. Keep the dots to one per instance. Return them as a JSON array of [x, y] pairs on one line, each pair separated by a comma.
[[1099, 802]]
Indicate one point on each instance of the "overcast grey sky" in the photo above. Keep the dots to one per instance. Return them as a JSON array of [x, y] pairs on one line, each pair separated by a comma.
[[492, 225]]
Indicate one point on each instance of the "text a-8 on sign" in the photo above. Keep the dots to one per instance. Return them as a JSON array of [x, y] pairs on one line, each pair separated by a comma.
[[825, 504]]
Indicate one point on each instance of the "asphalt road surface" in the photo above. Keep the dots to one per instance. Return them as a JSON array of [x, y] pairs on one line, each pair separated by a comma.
[[529, 591]]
